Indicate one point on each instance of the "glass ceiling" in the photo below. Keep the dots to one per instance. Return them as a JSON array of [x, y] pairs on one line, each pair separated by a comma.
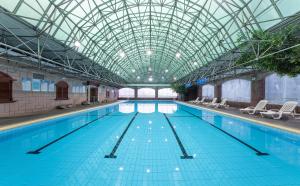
[[158, 40]]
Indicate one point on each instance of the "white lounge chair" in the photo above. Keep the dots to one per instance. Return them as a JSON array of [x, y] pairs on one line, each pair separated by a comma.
[[260, 107], [223, 104], [213, 102], [288, 108], [201, 101], [194, 101]]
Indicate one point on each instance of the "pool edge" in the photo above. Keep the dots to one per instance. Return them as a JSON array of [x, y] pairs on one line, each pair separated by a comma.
[[30, 122], [288, 129]]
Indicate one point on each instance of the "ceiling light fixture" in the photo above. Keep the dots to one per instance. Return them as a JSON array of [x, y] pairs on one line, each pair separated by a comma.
[[148, 52], [122, 54], [178, 55], [77, 44], [166, 71], [150, 79], [133, 70]]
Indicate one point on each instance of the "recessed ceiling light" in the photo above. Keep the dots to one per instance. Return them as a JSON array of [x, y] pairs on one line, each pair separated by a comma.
[[150, 79], [174, 78], [122, 54], [150, 69], [133, 70], [148, 170], [121, 168], [178, 55], [177, 169], [149, 52], [138, 77], [195, 63], [166, 71], [77, 44]]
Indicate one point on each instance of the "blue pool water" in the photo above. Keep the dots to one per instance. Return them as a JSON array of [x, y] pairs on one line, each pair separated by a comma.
[[148, 143]]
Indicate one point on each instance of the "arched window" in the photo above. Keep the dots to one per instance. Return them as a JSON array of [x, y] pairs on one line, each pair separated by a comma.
[[237, 90], [208, 91], [279, 89], [146, 93], [126, 93], [107, 93], [5, 87], [62, 90], [166, 93]]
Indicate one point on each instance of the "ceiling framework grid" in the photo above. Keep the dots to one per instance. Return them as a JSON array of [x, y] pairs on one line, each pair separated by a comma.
[[131, 41]]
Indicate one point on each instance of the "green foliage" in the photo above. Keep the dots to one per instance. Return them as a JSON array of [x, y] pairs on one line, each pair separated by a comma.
[[178, 88], [264, 43]]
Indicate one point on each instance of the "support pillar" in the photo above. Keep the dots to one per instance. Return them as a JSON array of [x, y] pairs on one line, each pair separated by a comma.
[[135, 93], [156, 93], [257, 90], [199, 92], [218, 91], [89, 94]]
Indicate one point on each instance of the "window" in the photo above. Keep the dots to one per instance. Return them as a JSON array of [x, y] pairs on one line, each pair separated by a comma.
[[62, 89], [51, 86], [44, 86], [279, 89], [107, 93], [26, 84], [36, 85], [5, 87], [166, 93], [126, 93], [237, 90], [146, 93], [208, 91]]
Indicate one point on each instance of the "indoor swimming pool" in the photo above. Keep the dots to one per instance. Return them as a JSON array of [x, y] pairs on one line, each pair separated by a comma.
[[148, 143]]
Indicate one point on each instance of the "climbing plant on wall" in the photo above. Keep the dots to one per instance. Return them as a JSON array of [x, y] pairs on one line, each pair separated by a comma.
[[178, 88], [283, 61]]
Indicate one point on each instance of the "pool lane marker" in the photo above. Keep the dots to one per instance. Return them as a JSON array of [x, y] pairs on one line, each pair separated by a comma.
[[38, 151], [112, 154], [185, 154], [258, 152]]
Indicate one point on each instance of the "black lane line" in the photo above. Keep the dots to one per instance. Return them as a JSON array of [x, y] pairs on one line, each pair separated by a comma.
[[38, 151], [185, 154], [109, 115], [180, 116], [258, 152], [112, 154]]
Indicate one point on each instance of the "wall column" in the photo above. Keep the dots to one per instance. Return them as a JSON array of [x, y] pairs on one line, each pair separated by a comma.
[[257, 90], [199, 91], [156, 92], [218, 91], [89, 93], [135, 92]]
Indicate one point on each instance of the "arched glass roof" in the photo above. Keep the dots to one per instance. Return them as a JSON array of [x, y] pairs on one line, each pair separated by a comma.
[[161, 39]]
